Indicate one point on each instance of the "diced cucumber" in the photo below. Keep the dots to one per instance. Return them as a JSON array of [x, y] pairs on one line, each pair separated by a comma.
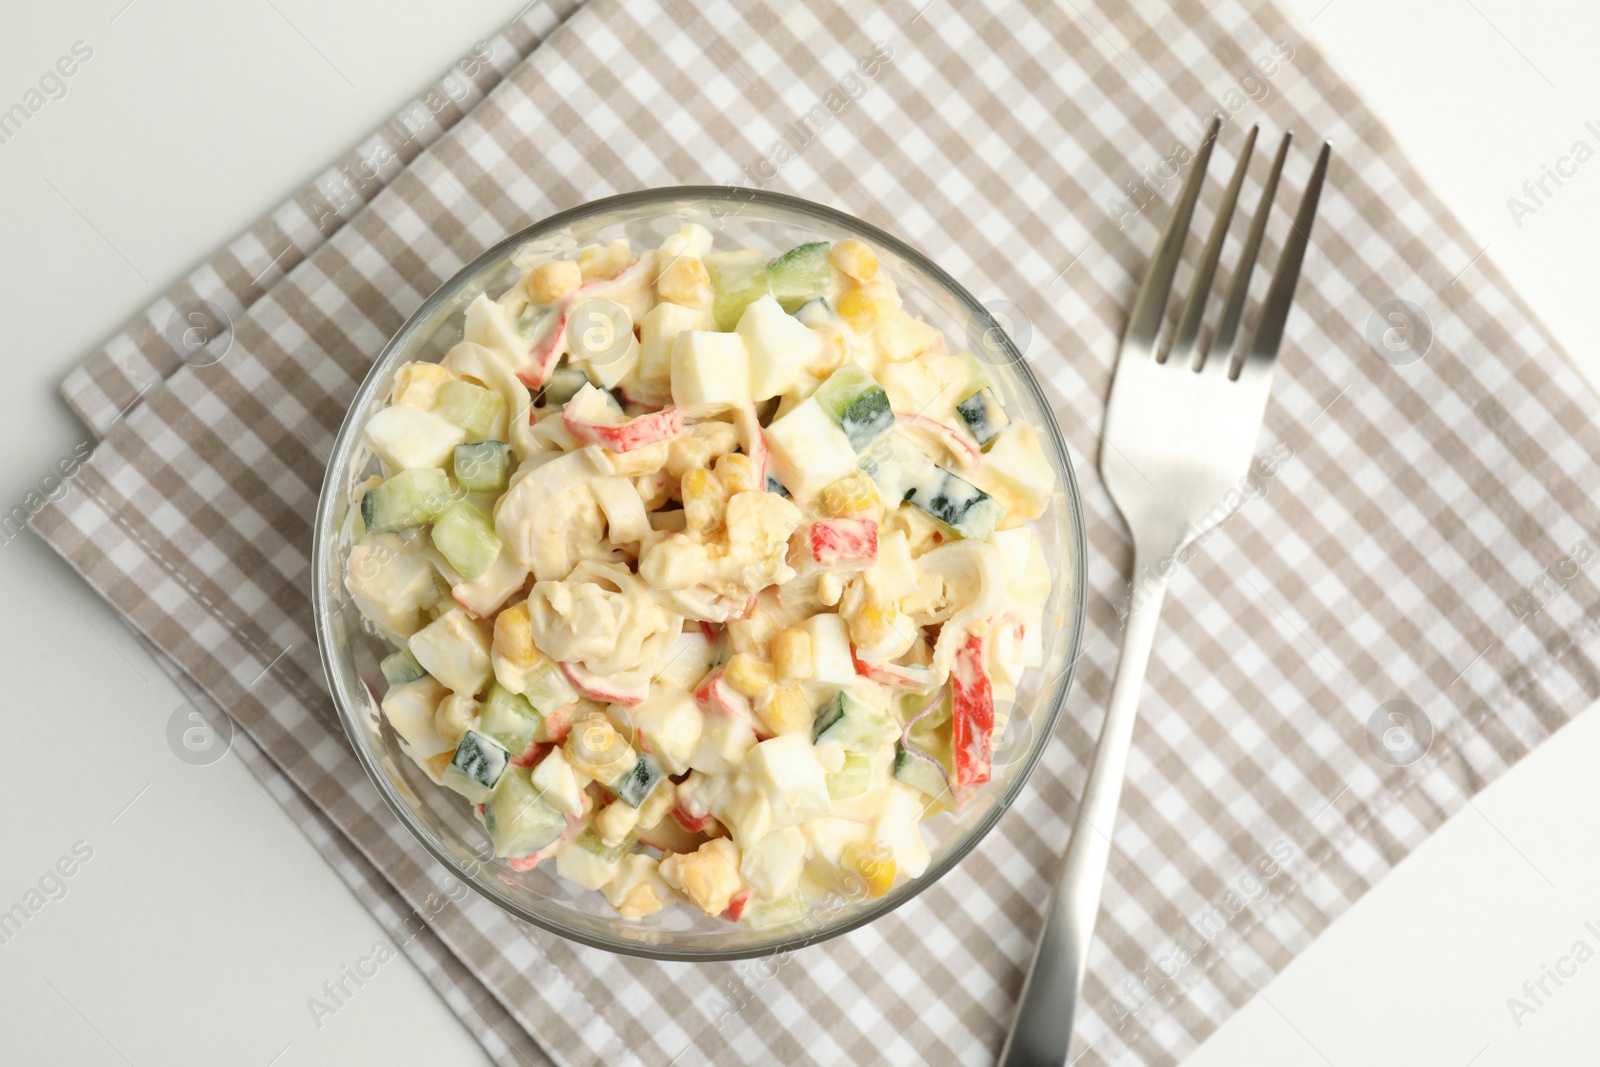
[[738, 279], [411, 498], [632, 788], [765, 914], [957, 503], [919, 772], [478, 764], [983, 415], [401, 667], [588, 860], [547, 687], [484, 467], [851, 723], [858, 402], [816, 312], [852, 779], [511, 720], [977, 373], [590, 841], [471, 407], [800, 275], [563, 385], [519, 821], [466, 538]]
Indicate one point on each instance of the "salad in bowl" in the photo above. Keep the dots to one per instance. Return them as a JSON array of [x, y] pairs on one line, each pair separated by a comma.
[[709, 573]]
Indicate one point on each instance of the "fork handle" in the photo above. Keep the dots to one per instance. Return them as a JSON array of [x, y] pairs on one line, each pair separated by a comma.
[[1041, 1032]]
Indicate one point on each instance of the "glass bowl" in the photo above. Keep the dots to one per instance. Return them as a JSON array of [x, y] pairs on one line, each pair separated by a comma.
[[441, 820]]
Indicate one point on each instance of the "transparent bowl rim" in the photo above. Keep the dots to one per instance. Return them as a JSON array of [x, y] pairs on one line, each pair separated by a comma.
[[349, 435]]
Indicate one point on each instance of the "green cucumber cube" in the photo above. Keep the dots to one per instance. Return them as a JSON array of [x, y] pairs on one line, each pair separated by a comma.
[[401, 667], [471, 407], [852, 779], [858, 402], [465, 536], [477, 765], [413, 497], [983, 415], [591, 841], [851, 723], [919, 772], [765, 914], [484, 467], [547, 687], [817, 312], [563, 385], [632, 788], [977, 373], [511, 720], [738, 279], [517, 817], [800, 275], [957, 503]]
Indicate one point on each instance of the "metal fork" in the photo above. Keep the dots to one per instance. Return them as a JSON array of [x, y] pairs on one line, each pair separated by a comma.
[[1179, 433]]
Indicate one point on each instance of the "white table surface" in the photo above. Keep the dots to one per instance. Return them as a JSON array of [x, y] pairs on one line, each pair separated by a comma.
[[203, 921]]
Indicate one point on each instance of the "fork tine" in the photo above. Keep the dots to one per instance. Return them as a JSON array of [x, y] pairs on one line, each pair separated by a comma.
[[1183, 342], [1275, 311], [1239, 288], [1145, 322]]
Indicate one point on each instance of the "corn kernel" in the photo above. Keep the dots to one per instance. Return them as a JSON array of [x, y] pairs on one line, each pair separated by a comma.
[[830, 587], [868, 867], [416, 385], [793, 659], [748, 675], [513, 635], [786, 711], [605, 261], [874, 631], [549, 282], [736, 473], [852, 496], [683, 280], [704, 501], [854, 259], [867, 305]]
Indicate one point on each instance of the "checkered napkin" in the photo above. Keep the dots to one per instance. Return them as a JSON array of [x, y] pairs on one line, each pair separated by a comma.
[[174, 330], [1408, 572]]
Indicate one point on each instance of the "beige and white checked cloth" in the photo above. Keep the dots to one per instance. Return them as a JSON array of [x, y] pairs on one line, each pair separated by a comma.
[[1419, 544]]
